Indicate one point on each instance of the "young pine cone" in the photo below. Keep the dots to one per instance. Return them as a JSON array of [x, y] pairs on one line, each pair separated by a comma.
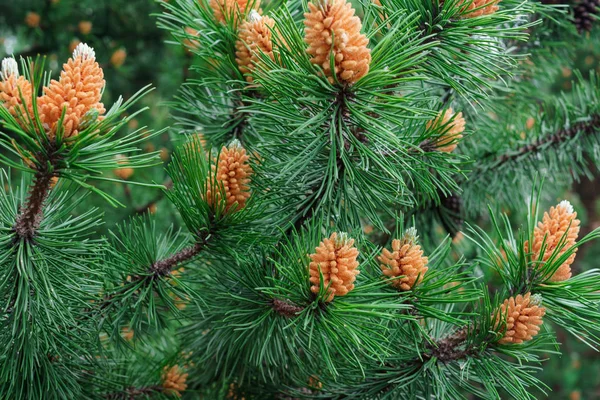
[[479, 7], [15, 90], [254, 38], [523, 317], [332, 30], [406, 260], [174, 381], [557, 222], [451, 127], [335, 259], [585, 12], [226, 10], [78, 92], [232, 175]]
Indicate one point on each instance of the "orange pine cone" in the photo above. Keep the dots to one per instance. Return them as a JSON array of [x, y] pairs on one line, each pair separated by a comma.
[[452, 126], [174, 380], [406, 260], [14, 89], [233, 175], [254, 39], [335, 259], [78, 91], [557, 222], [523, 317], [225, 10], [332, 30], [479, 7]]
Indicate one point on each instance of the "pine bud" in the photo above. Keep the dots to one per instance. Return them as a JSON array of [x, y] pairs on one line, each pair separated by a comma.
[[523, 317], [232, 174], [477, 8], [123, 173], [33, 19], [174, 381], [118, 58], [225, 10], [15, 90], [78, 89], [406, 260], [452, 126], [254, 39], [332, 30], [557, 222], [335, 259]]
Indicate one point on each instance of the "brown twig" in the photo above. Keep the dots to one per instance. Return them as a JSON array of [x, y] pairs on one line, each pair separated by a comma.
[[29, 219], [146, 207], [165, 266], [586, 127], [286, 308]]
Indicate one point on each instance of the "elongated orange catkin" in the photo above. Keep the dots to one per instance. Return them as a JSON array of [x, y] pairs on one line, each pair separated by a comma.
[[254, 38], [77, 92], [15, 91], [556, 223], [225, 10], [332, 30], [406, 260], [523, 317], [233, 175], [174, 380], [452, 130], [335, 259]]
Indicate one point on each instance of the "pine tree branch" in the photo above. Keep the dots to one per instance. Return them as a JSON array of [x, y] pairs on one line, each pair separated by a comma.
[[165, 266], [29, 219], [451, 348], [585, 127]]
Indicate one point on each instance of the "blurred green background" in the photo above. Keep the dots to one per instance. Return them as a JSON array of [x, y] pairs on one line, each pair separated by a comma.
[[133, 53]]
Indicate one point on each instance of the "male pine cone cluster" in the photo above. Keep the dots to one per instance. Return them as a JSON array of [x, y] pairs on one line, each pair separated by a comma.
[[332, 30], [451, 126], [522, 316], [254, 38], [76, 94], [232, 177], [334, 259], [174, 381], [556, 233], [405, 264]]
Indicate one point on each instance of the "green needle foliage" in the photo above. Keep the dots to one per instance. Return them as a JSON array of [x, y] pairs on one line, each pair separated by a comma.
[[316, 251]]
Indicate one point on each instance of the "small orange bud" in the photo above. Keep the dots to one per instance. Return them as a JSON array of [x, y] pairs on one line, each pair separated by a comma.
[[174, 380], [32, 19], [118, 58], [85, 27], [452, 126]]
